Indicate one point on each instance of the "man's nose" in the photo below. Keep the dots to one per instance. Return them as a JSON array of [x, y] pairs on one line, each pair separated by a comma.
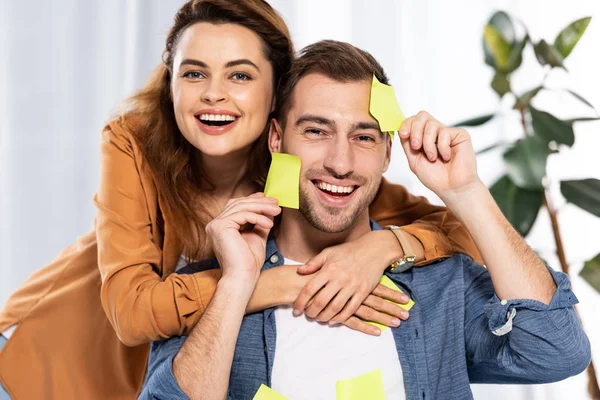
[[214, 92], [339, 160]]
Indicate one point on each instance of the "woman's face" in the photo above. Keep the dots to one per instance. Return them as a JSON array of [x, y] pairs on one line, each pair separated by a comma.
[[222, 87]]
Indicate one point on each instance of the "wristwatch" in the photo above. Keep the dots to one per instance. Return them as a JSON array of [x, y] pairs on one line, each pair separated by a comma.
[[408, 260]]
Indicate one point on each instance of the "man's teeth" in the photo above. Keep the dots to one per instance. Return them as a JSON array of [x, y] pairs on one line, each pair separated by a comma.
[[334, 188], [216, 117]]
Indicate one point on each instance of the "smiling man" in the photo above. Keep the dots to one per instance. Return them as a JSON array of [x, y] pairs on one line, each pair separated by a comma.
[[459, 330]]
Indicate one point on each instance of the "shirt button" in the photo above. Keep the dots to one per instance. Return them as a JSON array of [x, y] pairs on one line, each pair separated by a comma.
[[274, 259], [504, 302]]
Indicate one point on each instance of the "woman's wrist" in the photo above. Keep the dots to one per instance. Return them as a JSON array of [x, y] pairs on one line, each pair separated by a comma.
[[277, 286]]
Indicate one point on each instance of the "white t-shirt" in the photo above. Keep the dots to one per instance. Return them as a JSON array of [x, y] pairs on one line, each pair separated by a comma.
[[310, 357]]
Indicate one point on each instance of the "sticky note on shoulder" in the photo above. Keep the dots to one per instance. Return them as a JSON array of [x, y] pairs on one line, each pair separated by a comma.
[[266, 393], [283, 180], [387, 282], [384, 107], [367, 386]]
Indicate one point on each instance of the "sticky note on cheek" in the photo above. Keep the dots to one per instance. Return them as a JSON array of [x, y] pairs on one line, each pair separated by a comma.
[[266, 393], [367, 386], [384, 107], [387, 282], [283, 180]]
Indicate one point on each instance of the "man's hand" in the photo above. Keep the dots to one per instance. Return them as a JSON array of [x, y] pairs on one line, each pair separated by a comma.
[[239, 247], [442, 157]]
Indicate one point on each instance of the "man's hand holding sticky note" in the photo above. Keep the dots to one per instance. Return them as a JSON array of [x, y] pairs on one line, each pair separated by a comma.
[[283, 180], [384, 107]]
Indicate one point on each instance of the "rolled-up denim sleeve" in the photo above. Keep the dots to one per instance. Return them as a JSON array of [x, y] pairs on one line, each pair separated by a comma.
[[160, 381], [521, 340]]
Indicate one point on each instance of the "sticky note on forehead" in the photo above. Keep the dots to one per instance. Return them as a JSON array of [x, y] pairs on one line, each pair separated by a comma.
[[283, 180], [367, 386], [384, 107], [387, 282]]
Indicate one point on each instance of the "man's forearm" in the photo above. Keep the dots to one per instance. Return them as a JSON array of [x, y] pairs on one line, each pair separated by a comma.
[[202, 366], [516, 271]]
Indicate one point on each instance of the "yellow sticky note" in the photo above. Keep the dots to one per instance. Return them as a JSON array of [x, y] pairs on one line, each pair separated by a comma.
[[368, 386], [384, 107], [266, 393], [387, 282], [283, 180]]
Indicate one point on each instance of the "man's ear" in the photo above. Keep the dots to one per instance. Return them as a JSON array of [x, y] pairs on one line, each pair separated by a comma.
[[275, 136], [388, 151]]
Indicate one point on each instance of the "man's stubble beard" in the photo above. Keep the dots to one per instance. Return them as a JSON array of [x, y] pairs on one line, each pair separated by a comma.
[[334, 220]]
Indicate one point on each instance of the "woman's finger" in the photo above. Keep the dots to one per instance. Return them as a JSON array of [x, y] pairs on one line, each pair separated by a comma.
[[336, 305], [389, 294], [269, 209], [350, 308], [357, 324], [369, 314]]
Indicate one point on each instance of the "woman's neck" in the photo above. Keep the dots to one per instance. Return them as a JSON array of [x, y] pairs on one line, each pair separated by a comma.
[[227, 175]]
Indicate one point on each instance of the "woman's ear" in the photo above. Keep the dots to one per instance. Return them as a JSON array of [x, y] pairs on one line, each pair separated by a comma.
[[275, 136]]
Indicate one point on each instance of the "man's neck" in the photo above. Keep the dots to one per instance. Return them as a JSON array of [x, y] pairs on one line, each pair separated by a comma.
[[298, 240]]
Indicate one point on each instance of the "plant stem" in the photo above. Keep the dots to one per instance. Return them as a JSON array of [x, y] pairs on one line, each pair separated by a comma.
[[593, 388]]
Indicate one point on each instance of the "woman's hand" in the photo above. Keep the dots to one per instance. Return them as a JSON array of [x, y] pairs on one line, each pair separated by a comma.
[[346, 284]]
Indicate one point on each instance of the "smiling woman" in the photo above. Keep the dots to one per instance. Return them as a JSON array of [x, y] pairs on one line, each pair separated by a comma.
[[192, 139]]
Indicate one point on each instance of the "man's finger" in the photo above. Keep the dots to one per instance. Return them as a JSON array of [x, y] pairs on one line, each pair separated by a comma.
[[406, 127], [308, 292], [314, 264], [384, 306], [443, 144], [322, 299], [429, 138], [368, 314], [417, 130]]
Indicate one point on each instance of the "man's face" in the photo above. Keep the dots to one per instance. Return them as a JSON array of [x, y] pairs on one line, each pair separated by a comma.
[[343, 152]]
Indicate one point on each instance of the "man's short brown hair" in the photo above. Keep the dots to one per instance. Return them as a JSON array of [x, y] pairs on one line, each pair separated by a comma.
[[339, 61]]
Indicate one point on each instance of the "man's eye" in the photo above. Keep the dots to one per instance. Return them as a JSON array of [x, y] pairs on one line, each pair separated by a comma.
[[314, 131], [240, 76], [365, 138], [193, 75]]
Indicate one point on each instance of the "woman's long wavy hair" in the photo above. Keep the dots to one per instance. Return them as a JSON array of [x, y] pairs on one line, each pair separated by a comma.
[[149, 114]]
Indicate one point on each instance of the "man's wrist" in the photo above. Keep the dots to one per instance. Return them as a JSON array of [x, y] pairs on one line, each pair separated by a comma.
[[466, 196]]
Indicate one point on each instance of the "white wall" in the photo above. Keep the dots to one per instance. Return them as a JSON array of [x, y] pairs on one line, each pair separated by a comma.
[[67, 64]]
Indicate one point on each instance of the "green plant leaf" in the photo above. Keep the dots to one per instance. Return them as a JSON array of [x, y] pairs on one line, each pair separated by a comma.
[[491, 147], [526, 162], [591, 272], [516, 55], [524, 100], [475, 121], [551, 128], [583, 193], [548, 55], [519, 206], [568, 37], [496, 48], [501, 83], [584, 101], [581, 119]]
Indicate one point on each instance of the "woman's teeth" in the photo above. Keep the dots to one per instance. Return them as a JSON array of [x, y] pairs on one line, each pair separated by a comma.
[[335, 189], [216, 117]]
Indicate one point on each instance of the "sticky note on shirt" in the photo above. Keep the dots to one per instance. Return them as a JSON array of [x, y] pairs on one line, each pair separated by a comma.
[[367, 386], [387, 282], [384, 107], [266, 393], [283, 180]]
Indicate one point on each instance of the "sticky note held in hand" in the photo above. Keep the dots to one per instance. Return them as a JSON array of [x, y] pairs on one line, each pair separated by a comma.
[[266, 393], [387, 282], [384, 107], [283, 180], [367, 386]]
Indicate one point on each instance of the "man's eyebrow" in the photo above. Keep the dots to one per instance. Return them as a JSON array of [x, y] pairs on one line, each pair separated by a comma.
[[364, 125], [202, 64], [315, 119]]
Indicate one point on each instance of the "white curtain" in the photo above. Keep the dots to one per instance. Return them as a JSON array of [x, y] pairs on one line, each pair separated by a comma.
[[67, 64]]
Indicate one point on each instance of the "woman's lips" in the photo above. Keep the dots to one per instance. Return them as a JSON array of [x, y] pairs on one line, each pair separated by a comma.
[[215, 130]]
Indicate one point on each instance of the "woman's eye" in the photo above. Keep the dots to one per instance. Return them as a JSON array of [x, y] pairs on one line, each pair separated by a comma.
[[240, 76], [193, 75]]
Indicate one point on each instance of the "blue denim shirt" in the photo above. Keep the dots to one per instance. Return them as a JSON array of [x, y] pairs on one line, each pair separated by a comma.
[[458, 333]]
